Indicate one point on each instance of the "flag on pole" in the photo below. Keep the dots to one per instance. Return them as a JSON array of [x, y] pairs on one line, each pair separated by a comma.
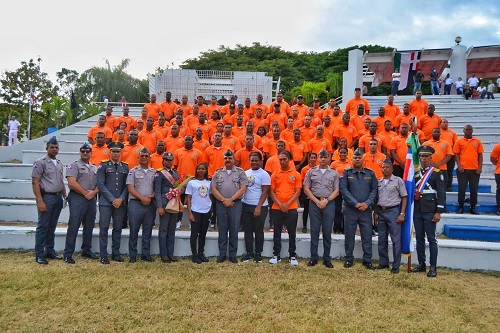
[[32, 96], [408, 64], [407, 245]]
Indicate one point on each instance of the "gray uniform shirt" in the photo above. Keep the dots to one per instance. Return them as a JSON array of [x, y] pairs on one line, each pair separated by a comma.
[[86, 174], [322, 184], [229, 184], [51, 176], [142, 179], [391, 192]]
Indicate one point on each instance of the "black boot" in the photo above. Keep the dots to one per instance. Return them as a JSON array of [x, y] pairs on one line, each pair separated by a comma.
[[432, 272], [196, 259], [420, 268]]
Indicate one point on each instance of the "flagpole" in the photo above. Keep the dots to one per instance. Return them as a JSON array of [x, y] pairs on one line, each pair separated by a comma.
[[409, 263], [29, 113]]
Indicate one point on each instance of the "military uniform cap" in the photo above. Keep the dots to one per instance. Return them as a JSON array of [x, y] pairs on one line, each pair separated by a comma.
[[228, 153], [115, 146], [387, 161], [52, 141], [357, 152], [85, 146], [425, 150], [144, 150], [168, 156], [323, 152]]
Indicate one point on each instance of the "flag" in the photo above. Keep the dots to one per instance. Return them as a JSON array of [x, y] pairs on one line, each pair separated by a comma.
[[73, 101], [32, 96], [408, 64], [407, 245]]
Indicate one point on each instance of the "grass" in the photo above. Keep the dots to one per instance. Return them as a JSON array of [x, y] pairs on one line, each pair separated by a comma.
[[185, 297]]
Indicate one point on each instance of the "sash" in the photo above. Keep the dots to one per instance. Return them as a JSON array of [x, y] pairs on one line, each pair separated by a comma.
[[169, 177], [423, 181]]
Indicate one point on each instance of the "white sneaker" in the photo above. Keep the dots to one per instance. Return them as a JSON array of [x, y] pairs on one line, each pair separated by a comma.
[[274, 260], [178, 225], [293, 261]]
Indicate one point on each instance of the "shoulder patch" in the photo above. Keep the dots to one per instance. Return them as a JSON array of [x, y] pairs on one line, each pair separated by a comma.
[[159, 169], [124, 162], [104, 161]]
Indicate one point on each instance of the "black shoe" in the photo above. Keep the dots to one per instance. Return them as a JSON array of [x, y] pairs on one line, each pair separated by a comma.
[[147, 258], [132, 259], [173, 259], [258, 258], [419, 269], [69, 260], [90, 255], [221, 259], [498, 212], [166, 259], [394, 270], [368, 265], [105, 261], [312, 262], [381, 267], [202, 257], [233, 260], [473, 211], [41, 261], [117, 258], [432, 272], [196, 259], [304, 230], [460, 210], [53, 256], [247, 257], [348, 264], [328, 264]]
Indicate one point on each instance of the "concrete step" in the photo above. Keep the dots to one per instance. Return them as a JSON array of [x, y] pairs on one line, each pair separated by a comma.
[[481, 207], [467, 219], [15, 170], [474, 233], [483, 188], [456, 254], [481, 197], [66, 157]]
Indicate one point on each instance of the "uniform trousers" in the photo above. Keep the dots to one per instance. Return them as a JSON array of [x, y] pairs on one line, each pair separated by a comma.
[[471, 178], [352, 218], [424, 227], [450, 165], [253, 226], [387, 226], [47, 223], [321, 219], [138, 215], [304, 201], [105, 215], [338, 224], [228, 219], [81, 211], [288, 219], [199, 230], [12, 137], [166, 234]]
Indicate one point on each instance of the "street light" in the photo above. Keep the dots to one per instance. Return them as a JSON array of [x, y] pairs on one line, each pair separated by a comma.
[[458, 39]]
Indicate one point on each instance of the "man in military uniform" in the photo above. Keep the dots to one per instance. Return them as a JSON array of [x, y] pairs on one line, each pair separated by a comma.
[[228, 186], [321, 185], [389, 212], [111, 176], [49, 190], [82, 182], [358, 186], [430, 198], [141, 206]]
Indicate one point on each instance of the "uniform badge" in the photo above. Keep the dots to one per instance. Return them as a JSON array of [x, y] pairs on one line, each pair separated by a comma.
[[35, 165], [292, 177]]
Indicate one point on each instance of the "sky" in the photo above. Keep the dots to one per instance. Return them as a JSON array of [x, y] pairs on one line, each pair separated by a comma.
[[80, 34]]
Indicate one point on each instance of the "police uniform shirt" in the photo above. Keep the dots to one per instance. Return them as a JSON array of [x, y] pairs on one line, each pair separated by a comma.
[[50, 174], [142, 179], [85, 174], [228, 183], [322, 184], [111, 181], [358, 186], [390, 191]]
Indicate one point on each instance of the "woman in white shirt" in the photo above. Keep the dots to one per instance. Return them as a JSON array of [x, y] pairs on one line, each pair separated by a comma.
[[447, 84], [459, 85], [199, 203]]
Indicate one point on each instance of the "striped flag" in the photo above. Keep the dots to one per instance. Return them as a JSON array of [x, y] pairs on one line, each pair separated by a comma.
[[408, 64], [407, 245], [32, 96]]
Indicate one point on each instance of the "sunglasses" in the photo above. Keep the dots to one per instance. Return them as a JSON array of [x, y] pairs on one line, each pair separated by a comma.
[[85, 151]]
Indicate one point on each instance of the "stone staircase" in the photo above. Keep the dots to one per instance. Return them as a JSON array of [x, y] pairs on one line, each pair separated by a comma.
[[17, 202]]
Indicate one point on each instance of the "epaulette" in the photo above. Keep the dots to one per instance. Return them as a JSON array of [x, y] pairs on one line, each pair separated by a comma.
[[104, 161], [159, 169], [436, 170], [238, 168], [124, 162]]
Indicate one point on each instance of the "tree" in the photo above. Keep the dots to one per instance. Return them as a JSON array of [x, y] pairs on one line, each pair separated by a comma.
[[15, 93], [58, 112]]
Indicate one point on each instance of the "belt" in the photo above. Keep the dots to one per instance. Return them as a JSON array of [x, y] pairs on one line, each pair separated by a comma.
[[320, 198], [51, 193], [387, 208]]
